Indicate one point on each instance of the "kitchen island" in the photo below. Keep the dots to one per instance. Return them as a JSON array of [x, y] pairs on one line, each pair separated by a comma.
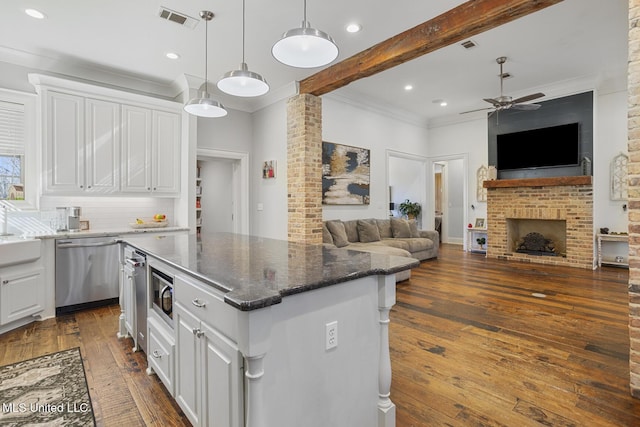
[[274, 333]]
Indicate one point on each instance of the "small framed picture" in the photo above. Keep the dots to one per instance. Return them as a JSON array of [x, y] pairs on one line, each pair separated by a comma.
[[479, 223], [269, 169]]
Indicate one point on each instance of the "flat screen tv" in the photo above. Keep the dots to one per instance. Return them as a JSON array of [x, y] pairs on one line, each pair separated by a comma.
[[554, 146]]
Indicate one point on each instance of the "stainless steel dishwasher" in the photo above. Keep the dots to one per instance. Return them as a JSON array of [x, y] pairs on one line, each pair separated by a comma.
[[87, 271]]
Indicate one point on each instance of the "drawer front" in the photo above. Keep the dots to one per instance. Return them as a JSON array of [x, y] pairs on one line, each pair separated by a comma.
[[206, 304], [161, 354]]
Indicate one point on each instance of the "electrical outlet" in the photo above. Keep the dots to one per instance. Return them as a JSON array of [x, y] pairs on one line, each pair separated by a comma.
[[331, 335]]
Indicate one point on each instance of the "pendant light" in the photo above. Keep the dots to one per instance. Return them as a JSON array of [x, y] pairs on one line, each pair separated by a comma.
[[305, 47], [243, 82], [204, 105]]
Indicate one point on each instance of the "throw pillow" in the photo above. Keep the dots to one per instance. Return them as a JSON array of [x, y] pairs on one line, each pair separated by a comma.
[[384, 227], [400, 228], [336, 228], [326, 234], [368, 231], [413, 228]]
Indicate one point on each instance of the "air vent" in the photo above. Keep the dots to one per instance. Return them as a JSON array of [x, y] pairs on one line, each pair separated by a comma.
[[177, 17], [468, 44]]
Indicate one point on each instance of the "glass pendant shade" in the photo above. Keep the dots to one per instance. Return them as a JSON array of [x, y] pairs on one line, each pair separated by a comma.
[[305, 47], [243, 82], [205, 106]]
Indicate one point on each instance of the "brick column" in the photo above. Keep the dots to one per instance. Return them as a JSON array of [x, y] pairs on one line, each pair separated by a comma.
[[634, 194], [304, 168]]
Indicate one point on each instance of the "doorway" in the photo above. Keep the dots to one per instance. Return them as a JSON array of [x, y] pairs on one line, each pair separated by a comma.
[[222, 193], [449, 181]]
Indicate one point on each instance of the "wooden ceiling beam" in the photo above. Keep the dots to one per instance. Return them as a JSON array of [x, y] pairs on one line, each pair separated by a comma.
[[457, 24]]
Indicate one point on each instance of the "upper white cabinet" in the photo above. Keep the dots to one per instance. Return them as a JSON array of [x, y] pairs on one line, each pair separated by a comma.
[[63, 146], [151, 160], [102, 141]]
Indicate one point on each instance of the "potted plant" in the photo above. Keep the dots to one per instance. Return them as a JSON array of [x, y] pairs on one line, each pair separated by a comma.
[[481, 241], [410, 209]]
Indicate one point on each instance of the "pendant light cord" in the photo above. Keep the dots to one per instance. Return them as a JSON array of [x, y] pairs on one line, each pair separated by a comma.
[[305, 12], [206, 59], [243, 25]]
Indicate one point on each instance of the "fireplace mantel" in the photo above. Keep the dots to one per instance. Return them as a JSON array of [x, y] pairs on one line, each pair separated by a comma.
[[539, 182]]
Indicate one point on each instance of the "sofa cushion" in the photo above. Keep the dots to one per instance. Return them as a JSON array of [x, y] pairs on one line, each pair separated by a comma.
[[326, 234], [351, 228], [368, 231], [378, 248], [413, 228], [400, 228], [396, 243], [336, 228], [417, 244], [384, 228]]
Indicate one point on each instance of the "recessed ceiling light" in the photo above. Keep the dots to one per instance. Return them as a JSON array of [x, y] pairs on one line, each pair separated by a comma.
[[408, 87], [34, 13], [443, 103], [172, 55], [354, 28]]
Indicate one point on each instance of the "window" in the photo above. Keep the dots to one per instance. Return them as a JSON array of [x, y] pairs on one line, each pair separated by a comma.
[[12, 150]]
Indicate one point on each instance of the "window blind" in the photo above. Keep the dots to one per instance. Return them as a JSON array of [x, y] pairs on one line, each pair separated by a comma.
[[11, 129]]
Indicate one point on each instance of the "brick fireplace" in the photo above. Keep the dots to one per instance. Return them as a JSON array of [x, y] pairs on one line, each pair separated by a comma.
[[559, 208]]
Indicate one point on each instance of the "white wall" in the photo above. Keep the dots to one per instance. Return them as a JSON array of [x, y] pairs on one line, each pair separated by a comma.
[[347, 124], [407, 180], [610, 139], [270, 143], [463, 138]]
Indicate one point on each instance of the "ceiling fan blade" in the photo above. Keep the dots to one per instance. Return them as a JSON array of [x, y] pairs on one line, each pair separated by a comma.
[[528, 98], [492, 101], [527, 107], [479, 109]]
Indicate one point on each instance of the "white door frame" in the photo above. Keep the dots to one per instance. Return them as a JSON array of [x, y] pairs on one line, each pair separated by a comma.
[[240, 185], [430, 217]]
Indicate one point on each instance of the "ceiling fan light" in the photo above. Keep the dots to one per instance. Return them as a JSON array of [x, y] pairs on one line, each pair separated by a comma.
[[243, 82], [205, 106], [305, 47]]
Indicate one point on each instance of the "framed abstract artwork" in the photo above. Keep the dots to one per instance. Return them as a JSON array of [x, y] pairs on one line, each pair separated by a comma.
[[345, 174]]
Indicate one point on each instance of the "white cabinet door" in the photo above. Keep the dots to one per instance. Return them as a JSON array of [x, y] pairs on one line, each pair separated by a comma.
[[222, 365], [166, 139], [102, 158], [21, 294], [64, 143], [188, 379], [136, 149]]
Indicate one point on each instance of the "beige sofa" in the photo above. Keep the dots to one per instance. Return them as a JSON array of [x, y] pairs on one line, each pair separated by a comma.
[[394, 236]]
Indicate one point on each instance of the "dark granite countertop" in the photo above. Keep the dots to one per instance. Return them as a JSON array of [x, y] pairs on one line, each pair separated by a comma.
[[256, 272]]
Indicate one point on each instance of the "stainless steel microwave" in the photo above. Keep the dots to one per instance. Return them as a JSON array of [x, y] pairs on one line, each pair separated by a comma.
[[161, 285]]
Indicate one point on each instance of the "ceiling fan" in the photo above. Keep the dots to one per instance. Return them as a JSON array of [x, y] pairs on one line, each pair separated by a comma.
[[504, 102]]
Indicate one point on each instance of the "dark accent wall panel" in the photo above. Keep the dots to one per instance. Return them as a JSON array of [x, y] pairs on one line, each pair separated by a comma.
[[569, 109]]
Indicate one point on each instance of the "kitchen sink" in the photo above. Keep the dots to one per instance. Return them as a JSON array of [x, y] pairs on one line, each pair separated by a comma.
[[17, 250]]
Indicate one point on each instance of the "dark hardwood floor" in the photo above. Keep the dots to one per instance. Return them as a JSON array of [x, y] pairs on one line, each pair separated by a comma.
[[470, 346]]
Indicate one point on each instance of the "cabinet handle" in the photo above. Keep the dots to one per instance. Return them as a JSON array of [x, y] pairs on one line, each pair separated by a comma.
[[199, 303], [5, 282], [82, 186], [198, 332], [157, 354]]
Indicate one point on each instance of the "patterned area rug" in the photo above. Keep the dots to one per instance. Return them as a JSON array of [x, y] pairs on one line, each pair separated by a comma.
[[49, 390]]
